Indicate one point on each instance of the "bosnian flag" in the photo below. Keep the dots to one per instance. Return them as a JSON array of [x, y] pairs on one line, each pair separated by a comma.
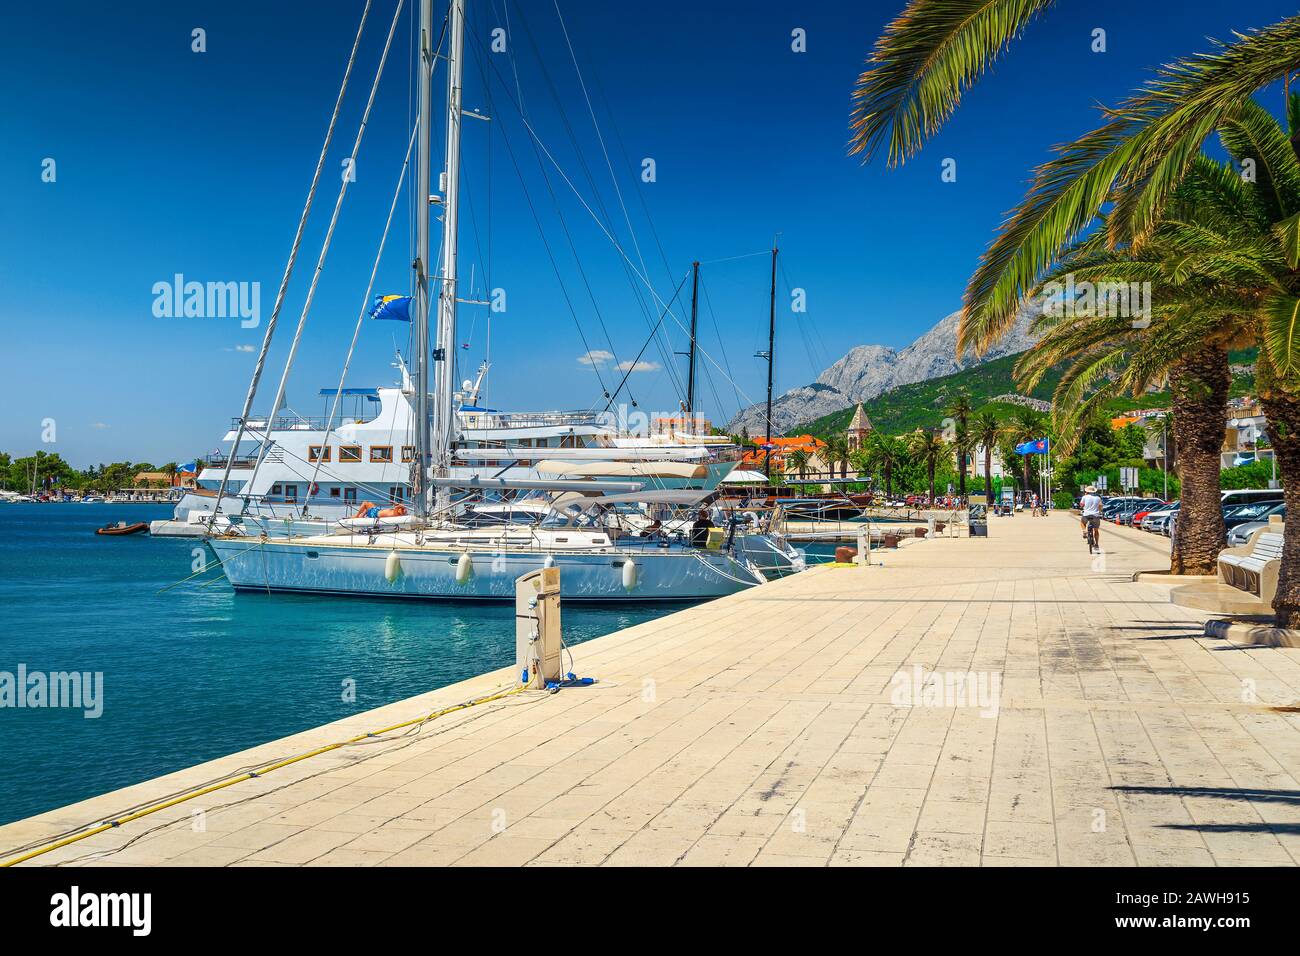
[[1039, 446], [394, 307]]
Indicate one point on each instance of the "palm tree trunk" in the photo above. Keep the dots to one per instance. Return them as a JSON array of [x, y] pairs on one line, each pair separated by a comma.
[[988, 475], [1199, 384], [961, 473], [1283, 413], [930, 469]]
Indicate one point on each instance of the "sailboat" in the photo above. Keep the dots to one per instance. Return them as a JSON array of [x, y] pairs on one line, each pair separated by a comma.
[[431, 554]]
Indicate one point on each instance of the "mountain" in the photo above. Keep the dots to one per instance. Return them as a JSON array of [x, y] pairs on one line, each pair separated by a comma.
[[991, 386], [871, 370]]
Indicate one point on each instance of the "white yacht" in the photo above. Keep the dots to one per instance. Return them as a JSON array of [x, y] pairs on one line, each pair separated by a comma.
[[314, 475]]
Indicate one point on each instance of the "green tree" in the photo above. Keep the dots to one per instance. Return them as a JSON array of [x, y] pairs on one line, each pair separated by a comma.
[[837, 453], [929, 448], [960, 409], [987, 431], [798, 460]]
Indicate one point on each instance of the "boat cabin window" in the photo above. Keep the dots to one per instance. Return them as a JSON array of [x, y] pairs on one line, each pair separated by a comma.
[[318, 452], [396, 492], [381, 453], [277, 489], [408, 453], [334, 491], [349, 452], [349, 494], [290, 492]]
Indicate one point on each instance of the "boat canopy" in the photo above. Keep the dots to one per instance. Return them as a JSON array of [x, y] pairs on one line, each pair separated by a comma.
[[622, 469], [673, 496]]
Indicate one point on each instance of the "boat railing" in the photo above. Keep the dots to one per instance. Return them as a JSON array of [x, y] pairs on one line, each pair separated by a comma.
[[256, 424], [533, 419]]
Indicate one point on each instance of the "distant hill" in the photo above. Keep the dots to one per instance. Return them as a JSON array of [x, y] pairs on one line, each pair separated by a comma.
[[922, 404], [871, 370]]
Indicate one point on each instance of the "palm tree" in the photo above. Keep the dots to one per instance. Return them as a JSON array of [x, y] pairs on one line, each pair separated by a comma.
[[860, 459], [1221, 259], [798, 460], [1025, 424], [930, 448], [837, 453], [986, 431], [888, 453], [960, 409]]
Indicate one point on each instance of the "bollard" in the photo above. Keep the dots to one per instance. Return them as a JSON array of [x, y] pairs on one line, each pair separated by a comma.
[[863, 557], [929, 527]]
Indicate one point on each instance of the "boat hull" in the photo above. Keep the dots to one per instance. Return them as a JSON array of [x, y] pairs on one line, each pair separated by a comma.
[[432, 574]]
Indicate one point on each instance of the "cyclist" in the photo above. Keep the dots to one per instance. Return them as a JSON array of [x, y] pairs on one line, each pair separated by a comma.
[[1090, 517]]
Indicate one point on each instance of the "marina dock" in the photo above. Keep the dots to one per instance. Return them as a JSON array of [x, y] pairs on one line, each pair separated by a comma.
[[966, 701]]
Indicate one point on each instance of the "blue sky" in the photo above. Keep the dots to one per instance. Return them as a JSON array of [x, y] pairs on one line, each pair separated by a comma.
[[170, 161]]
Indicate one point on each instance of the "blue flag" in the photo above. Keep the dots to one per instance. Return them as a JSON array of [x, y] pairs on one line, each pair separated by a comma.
[[1039, 446], [394, 307]]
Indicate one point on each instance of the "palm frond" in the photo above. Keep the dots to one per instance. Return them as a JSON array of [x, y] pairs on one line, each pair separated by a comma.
[[924, 60], [1281, 334], [1253, 134], [1136, 158]]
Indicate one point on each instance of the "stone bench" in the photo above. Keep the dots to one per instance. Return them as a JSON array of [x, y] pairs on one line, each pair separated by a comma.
[[1254, 566]]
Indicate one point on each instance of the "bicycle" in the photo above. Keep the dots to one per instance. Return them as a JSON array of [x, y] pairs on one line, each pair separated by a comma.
[[1093, 534]]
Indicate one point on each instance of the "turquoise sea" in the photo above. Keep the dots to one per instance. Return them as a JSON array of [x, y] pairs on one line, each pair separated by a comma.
[[197, 672]]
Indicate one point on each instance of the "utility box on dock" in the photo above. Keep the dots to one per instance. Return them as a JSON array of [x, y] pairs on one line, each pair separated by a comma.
[[538, 651]]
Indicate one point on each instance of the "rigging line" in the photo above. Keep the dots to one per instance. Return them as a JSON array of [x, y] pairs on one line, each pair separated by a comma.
[[713, 319], [647, 311], [746, 255], [618, 192], [614, 242], [564, 226], [365, 300], [325, 246], [550, 255], [595, 304], [632, 367], [288, 269], [627, 161]]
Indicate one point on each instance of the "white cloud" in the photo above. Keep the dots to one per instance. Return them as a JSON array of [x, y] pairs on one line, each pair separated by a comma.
[[595, 357], [100, 426], [638, 366], [240, 348]]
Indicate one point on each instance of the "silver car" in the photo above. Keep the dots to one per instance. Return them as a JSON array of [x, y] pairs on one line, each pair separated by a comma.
[[1158, 519], [1241, 534]]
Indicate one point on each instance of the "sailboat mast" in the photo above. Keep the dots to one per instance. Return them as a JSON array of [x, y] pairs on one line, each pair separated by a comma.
[[690, 367], [444, 421], [771, 360], [420, 279]]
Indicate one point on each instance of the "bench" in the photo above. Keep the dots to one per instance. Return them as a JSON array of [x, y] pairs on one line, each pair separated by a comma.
[[1254, 566]]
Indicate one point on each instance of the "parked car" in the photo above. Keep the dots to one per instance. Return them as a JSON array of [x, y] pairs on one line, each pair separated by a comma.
[[1240, 533], [1241, 514], [1156, 520], [1124, 513]]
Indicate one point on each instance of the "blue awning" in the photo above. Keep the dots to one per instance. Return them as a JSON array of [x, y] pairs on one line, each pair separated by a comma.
[[350, 391]]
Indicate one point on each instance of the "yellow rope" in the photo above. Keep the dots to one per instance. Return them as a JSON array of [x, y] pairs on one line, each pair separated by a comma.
[[249, 775]]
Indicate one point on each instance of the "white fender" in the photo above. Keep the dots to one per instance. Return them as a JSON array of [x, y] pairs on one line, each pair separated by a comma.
[[464, 568], [392, 567], [629, 575], [549, 562]]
